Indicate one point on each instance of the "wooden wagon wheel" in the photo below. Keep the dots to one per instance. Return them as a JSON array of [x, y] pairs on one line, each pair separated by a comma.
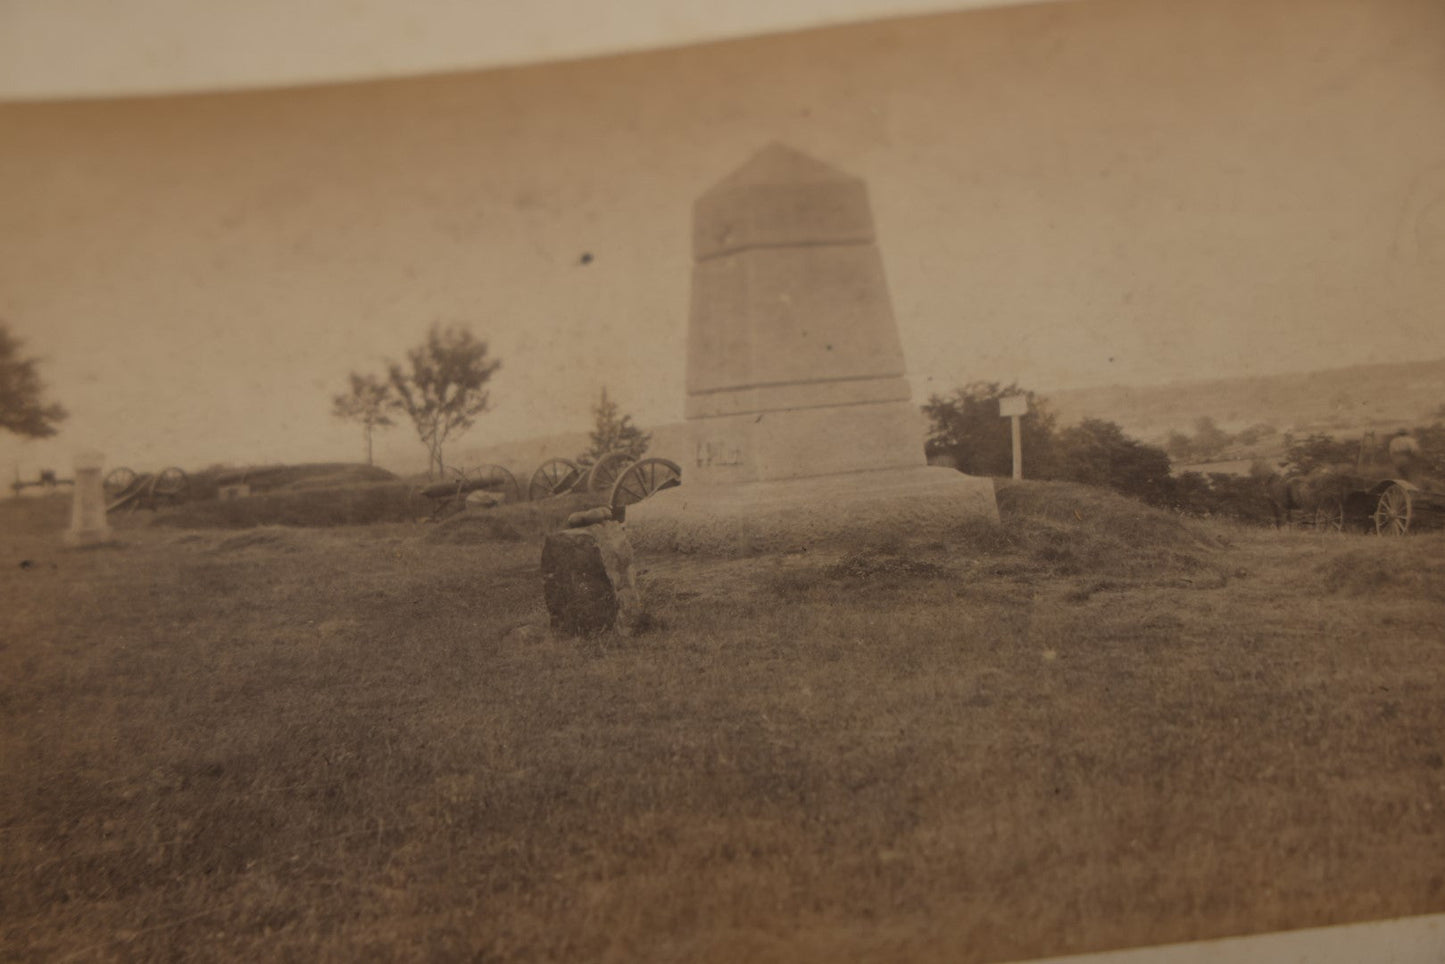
[[171, 483], [553, 477], [1393, 511], [641, 479], [604, 473], [118, 482], [1330, 515]]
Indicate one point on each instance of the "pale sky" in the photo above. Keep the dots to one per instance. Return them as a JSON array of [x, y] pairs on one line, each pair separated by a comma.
[[108, 48], [1068, 195]]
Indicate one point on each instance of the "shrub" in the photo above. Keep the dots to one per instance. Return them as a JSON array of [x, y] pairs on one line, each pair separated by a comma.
[[1096, 452], [966, 427], [1318, 450]]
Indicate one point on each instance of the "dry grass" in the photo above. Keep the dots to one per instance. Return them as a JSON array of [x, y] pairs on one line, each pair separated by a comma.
[[319, 501], [513, 522], [1092, 727]]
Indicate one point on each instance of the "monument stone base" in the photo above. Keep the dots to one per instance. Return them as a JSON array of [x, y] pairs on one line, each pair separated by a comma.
[[789, 514], [762, 446]]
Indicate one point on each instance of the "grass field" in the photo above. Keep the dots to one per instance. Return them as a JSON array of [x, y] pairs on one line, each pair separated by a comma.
[[1092, 727]]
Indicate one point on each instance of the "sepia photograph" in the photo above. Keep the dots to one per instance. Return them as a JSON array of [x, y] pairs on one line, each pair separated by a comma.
[[895, 483]]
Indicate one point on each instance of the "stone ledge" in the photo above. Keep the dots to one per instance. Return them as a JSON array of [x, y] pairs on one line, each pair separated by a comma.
[[800, 513]]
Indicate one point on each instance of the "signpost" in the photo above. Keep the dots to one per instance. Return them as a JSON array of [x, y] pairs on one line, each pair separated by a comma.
[[1013, 407]]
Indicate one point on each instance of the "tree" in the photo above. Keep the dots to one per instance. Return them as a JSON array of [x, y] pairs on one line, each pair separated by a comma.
[[1097, 452], [367, 402], [23, 409], [1179, 446], [1256, 432], [613, 432], [1209, 439], [1318, 451], [966, 426], [442, 387]]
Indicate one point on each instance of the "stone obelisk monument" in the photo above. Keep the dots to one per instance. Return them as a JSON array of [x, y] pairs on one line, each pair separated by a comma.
[[800, 413], [794, 367]]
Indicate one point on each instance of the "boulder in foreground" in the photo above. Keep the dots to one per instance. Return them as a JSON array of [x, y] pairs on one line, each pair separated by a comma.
[[588, 580]]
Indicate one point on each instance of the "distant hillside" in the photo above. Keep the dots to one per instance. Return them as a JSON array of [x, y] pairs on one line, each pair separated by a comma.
[[1338, 401], [671, 441]]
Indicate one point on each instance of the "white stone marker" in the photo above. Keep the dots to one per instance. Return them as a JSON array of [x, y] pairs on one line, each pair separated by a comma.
[[88, 524]]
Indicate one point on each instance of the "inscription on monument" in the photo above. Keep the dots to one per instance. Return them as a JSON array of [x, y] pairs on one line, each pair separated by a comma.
[[711, 453]]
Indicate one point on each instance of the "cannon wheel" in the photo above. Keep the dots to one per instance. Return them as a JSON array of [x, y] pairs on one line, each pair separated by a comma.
[[603, 475], [640, 479], [118, 482], [1393, 511], [171, 483], [495, 477], [445, 494], [511, 491], [553, 477], [1330, 516]]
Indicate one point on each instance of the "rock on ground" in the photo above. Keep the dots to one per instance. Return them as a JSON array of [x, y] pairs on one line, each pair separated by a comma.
[[588, 517], [588, 580]]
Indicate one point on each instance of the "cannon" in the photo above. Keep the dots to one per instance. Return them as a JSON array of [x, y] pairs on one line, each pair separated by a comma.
[[129, 490], [451, 495], [619, 476]]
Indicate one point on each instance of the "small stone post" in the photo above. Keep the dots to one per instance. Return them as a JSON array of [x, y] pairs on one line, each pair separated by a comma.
[[88, 525]]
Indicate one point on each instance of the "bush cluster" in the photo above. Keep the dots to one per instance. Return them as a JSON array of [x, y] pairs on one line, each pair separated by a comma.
[[966, 428], [1220, 494], [1209, 441]]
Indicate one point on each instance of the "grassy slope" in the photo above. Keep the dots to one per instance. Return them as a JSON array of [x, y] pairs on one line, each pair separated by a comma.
[[1093, 727], [312, 505]]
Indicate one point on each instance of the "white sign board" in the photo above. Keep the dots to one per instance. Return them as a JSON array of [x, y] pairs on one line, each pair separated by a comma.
[[1013, 405]]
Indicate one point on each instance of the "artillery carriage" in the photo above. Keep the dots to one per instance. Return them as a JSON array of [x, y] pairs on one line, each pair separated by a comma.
[[1387, 494], [130, 490], [1392, 507], [621, 477]]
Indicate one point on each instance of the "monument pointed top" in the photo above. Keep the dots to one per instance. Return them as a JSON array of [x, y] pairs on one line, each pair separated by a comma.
[[779, 164], [781, 196]]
